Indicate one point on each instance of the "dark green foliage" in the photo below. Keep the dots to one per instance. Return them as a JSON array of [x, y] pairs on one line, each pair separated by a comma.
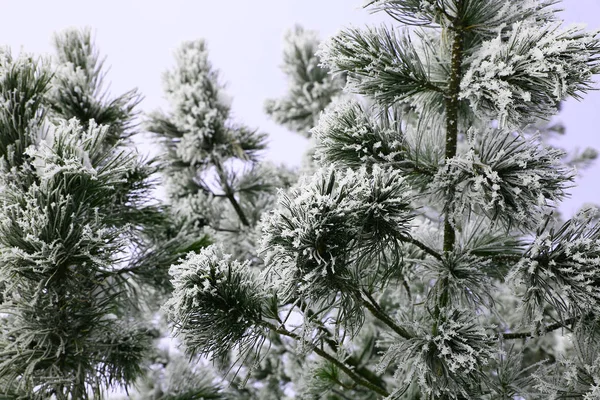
[[311, 87], [204, 147], [450, 360], [510, 378], [77, 88], [59, 248], [504, 176], [23, 84], [322, 247], [217, 305], [410, 12], [173, 377], [74, 207], [381, 63], [575, 378], [462, 277], [481, 16], [502, 247], [511, 82], [560, 268], [352, 138]]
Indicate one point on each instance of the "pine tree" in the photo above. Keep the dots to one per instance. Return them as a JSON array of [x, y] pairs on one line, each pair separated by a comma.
[[310, 86], [423, 259], [217, 185], [311, 89], [212, 171], [74, 210]]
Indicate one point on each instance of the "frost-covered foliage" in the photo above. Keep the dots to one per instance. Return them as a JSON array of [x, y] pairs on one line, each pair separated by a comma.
[[77, 87], [495, 15], [222, 293], [217, 188], [560, 268], [211, 167], [381, 63], [520, 74], [423, 260], [310, 86], [322, 240], [505, 175], [577, 377], [173, 377], [326, 226], [61, 241], [23, 83], [451, 360], [523, 73], [73, 206], [348, 135]]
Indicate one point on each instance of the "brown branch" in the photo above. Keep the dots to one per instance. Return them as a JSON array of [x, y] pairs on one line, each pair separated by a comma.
[[549, 328], [351, 374], [378, 313], [422, 246]]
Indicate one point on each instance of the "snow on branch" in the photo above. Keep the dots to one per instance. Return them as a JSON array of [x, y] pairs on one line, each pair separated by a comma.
[[217, 304], [380, 62], [526, 70], [503, 176]]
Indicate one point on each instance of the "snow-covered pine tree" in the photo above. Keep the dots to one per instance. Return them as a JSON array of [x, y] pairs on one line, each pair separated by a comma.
[[211, 166], [311, 88], [450, 246], [73, 210], [216, 184]]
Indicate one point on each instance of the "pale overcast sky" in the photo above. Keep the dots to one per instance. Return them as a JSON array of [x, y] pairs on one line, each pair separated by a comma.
[[245, 42]]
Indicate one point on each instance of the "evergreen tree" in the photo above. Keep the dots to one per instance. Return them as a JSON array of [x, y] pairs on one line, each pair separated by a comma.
[[310, 85], [74, 207], [217, 186], [211, 167], [311, 89], [423, 260]]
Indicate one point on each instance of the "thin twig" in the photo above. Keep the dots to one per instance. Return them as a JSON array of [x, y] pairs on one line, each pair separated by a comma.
[[422, 246], [229, 192], [549, 328], [350, 360], [351, 374], [378, 313]]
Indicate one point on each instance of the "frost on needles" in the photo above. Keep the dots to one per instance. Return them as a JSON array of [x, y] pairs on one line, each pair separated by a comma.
[[73, 211], [428, 241]]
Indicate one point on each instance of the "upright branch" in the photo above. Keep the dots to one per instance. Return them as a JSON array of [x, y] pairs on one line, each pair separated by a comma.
[[451, 99], [229, 192], [452, 102], [323, 354]]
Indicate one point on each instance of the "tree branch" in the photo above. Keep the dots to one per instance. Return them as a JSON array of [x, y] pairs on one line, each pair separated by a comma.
[[422, 246], [351, 374], [452, 107], [351, 360], [452, 102], [382, 316], [549, 328], [229, 192]]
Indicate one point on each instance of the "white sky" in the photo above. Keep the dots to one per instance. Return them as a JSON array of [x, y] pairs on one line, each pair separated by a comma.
[[245, 42]]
